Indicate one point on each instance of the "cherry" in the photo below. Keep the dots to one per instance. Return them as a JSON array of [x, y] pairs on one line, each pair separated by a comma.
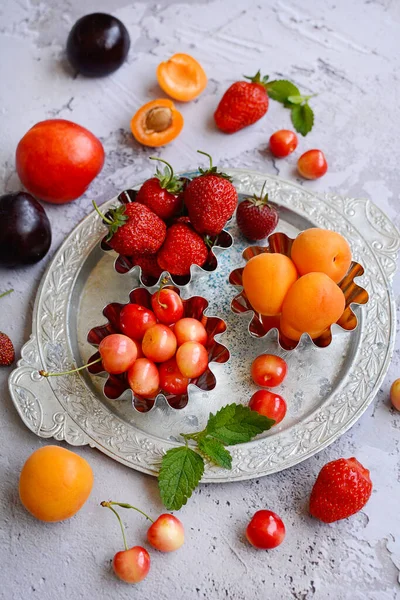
[[312, 164], [143, 378], [132, 565], [190, 330], [171, 379], [192, 359], [268, 370], [159, 343], [117, 353], [135, 319], [395, 394], [166, 533], [138, 348], [283, 142], [269, 405], [167, 306], [266, 530]]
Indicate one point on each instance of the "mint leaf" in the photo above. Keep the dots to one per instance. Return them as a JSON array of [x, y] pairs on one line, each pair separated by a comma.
[[180, 473], [280, 90], [302, 118], [215, 452], [236, 424], [296, 99]]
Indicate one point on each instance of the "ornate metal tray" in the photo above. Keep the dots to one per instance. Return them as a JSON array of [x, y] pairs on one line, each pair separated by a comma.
[[327, 389]]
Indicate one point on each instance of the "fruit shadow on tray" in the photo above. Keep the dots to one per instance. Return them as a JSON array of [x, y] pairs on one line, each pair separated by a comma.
[[194, 307]]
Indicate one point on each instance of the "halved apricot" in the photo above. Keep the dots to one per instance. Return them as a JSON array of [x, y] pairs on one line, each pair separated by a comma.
[[181, 77], [157, 123]]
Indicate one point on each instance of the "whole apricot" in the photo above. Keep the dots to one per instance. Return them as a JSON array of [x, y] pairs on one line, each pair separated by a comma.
[[311, 305], [55, 483], [266, 281], [321, 250]]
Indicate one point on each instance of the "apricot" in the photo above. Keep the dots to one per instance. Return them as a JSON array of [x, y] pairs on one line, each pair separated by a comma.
[[321, 250], [157, 123], [181, 77], [311, 305], [266, 281], [55, 483]]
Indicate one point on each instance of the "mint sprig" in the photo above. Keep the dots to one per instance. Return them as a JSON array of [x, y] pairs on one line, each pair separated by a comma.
[[182, 468], [289, 95]]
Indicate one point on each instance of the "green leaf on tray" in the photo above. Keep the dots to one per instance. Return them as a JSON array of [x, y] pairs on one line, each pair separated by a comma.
[[181, 470], [236, 424], [281, 89], [302, 118], [214, 451]]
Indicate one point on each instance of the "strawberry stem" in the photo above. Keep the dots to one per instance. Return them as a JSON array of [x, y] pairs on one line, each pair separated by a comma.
[[124, 505], [105, 219], [46, 374], [209, 156], [171, 171], [108, 505], [6, 293]]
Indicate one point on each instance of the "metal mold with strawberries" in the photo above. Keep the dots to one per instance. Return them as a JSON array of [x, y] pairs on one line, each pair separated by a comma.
[[117, 387], [152, 277], [261, 325]]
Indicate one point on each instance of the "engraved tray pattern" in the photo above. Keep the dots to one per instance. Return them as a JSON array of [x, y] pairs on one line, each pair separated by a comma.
[[68, 408]]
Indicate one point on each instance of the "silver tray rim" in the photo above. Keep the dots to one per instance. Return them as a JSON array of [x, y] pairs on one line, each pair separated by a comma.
[[376, 247]]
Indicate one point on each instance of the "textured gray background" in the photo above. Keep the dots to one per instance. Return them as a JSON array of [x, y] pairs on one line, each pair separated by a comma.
[[348, 54]]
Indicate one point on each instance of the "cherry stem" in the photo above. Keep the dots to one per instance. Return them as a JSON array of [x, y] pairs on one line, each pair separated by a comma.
[[46, 374], [108, 505], [108, 221], [209, 156], [124, 505], [171, 175], [6, 293]]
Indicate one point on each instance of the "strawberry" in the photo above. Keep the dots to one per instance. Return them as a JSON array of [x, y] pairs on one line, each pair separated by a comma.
[[7, 354], [211, 200], [161, 193], [133, 229], [342, 488], [182, 248], [148, 263], [256, 218], [244, 103]]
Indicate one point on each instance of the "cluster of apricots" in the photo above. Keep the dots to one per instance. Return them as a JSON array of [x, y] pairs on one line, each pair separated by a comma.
[[302, 290]]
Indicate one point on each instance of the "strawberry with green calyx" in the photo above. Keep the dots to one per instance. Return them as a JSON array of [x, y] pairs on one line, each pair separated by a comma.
[[182, 248], [210, 199], [162, 193], [245, 102], [7, 353], [133, 229], [256, 218]]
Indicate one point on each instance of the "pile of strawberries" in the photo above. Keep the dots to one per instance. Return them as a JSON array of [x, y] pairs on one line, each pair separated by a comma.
[[173, 222]]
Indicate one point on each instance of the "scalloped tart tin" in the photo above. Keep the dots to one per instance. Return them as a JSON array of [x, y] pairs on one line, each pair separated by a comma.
[[260, 325]]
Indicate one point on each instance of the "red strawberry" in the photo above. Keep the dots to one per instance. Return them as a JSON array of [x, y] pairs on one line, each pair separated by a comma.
[[211, 200], [182, 248], [256, 218], [148, 263], [161, 193], [244, 103], [342, 488], [133, 229], [7, 354]]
